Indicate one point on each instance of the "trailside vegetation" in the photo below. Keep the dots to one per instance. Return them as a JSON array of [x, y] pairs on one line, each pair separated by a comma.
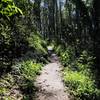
[[27, 27]]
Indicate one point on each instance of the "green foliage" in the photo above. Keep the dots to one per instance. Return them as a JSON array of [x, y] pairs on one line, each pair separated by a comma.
[[7, 11], [7, 98], [67, 56], [58, 49], [5, 34], [81, 85], [78, 75], [85, 58], [29, 69], [6, 83], [21, 78], [15, 32], [3, 91], [36, 41], [85, 63], [28, 72], [8, 8]]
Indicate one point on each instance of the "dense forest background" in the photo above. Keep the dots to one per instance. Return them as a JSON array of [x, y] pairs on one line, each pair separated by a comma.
[[28, 26]]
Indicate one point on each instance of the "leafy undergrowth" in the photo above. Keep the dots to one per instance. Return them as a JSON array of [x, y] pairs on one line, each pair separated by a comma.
[[80, 85], [19, 83], [78, 74]]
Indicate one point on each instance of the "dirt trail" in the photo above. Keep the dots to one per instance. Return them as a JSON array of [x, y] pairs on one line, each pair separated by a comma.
[[50, 83]]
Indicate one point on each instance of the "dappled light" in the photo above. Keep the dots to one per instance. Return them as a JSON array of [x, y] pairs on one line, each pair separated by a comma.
[[49, 49]]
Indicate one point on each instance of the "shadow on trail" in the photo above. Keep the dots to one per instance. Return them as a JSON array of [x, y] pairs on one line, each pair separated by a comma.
[[54, 58], [49, 83]]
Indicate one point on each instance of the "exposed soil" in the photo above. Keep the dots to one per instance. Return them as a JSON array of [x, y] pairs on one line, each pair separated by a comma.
[[50, 82]]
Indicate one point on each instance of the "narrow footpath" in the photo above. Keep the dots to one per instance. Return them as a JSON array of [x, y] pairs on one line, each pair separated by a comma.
[[50, 82]]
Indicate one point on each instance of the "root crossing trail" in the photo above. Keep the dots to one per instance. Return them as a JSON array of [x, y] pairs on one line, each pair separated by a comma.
[[50, 83]]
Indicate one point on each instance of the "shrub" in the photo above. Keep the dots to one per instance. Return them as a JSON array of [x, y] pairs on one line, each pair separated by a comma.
[[3, 91], [36, 41], [80, 85], [58, 49], [29, 69], [25, 73], [85, 58], [78, 75], [67, 56], [85, 63]]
